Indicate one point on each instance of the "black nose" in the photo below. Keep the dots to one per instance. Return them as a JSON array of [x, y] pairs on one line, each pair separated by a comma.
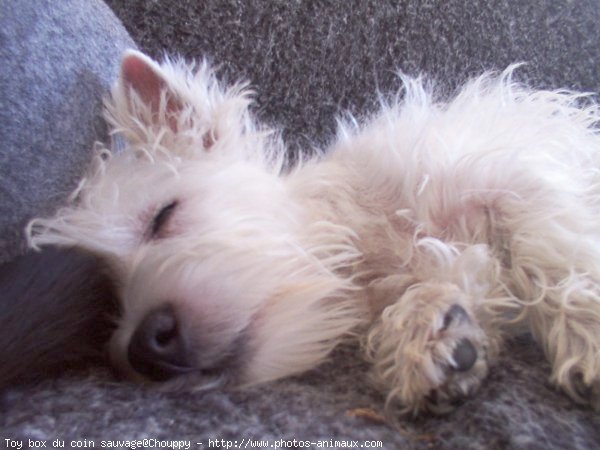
[[465, 355], [158, 347]]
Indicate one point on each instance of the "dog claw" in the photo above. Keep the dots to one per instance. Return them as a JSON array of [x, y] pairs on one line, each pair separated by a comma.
[[454, 314]]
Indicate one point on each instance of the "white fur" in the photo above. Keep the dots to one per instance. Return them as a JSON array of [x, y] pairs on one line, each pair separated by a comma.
[[489, 201]]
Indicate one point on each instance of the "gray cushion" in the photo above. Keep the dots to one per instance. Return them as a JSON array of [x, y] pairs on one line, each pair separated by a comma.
[[58, 59]]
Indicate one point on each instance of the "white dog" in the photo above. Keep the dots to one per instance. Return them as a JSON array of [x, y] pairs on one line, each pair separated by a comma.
[[428, 233]]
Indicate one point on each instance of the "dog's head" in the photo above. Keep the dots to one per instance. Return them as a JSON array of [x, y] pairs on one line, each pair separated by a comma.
[[217, 278]]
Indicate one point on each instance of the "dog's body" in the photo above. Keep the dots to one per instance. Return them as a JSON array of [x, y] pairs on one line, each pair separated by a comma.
[[428, 233]]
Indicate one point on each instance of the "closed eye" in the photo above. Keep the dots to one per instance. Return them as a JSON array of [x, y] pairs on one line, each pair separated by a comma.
[[161, 219]]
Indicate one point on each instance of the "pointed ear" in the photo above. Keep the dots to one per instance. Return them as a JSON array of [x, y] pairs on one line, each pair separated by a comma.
[[142, 80]]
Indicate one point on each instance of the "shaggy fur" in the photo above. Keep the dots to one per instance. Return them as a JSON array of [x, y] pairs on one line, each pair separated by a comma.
[[429, 233]]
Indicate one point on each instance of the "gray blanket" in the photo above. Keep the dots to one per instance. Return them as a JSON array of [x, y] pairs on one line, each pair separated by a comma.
[[308, 61]]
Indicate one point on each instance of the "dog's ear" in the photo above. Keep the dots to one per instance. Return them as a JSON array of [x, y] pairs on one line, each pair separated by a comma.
[[175, 105], [143, 83]]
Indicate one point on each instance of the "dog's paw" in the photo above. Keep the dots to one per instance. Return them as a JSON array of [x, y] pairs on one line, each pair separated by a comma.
[[584, 391], [577, 371], [458, 353], [569, 335], [428, 350]]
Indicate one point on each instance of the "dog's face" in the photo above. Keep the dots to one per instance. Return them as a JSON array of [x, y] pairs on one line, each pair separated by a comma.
[[216, 282]]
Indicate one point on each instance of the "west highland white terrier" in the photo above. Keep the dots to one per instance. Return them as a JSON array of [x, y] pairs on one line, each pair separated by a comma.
[[429, 233]]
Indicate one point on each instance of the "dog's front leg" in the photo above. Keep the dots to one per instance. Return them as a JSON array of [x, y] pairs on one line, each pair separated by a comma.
[[428, 349], [554, 274], [566, 322]]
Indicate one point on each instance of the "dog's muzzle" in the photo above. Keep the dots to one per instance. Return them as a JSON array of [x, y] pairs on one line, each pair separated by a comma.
[[159, 349]]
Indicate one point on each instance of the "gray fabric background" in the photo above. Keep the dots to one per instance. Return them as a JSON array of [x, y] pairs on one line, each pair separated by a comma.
[[308, 62], [56, 64], [311, 60]]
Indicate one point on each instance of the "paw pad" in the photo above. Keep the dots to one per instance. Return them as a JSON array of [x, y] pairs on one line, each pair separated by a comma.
[[464, 355]]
